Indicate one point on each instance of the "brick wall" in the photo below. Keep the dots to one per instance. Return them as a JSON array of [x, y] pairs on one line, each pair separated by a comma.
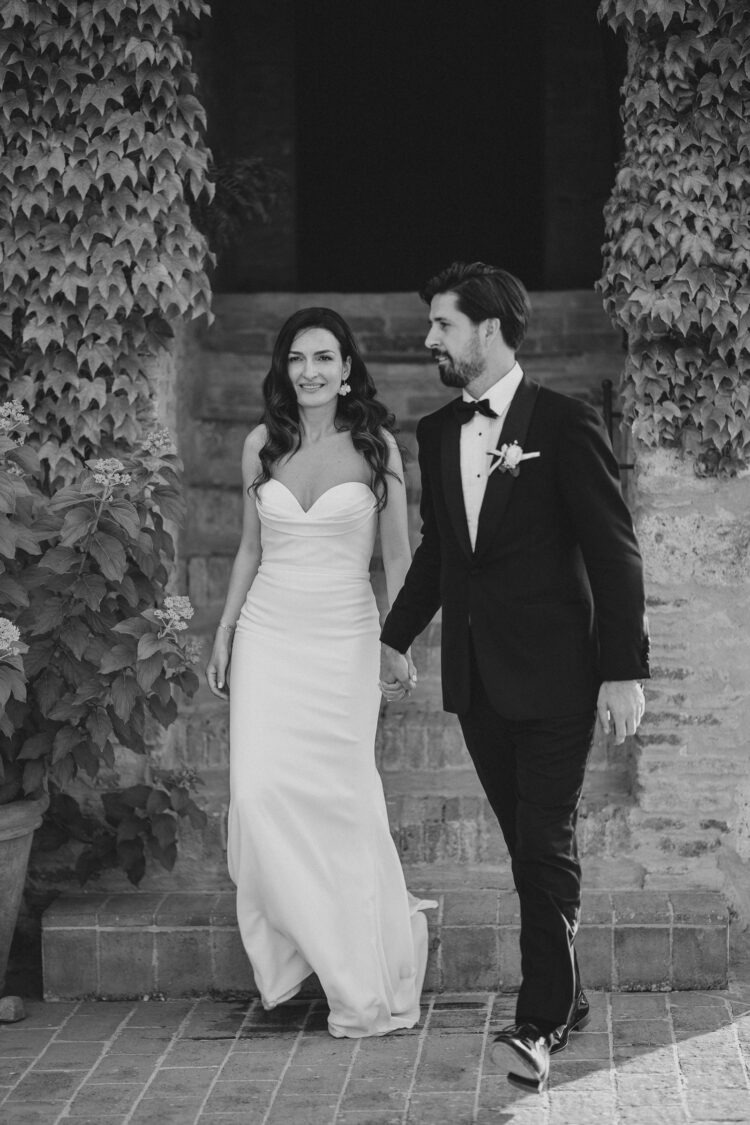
[[692, 766]]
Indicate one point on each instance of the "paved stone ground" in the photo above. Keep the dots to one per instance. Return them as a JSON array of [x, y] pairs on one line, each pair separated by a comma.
[[645, 1059]]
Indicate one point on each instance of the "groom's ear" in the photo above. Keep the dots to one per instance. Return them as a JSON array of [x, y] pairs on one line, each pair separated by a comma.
[[492, 329]]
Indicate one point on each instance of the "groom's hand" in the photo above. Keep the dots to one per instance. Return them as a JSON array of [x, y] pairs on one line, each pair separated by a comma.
[[397, 673], [620, 705]]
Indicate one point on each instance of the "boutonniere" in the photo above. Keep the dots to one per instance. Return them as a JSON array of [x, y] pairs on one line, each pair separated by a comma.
[[509, 458]]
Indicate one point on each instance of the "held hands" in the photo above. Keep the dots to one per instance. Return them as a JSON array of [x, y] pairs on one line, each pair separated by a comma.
[[216, 669], [620, 705], [398, 676]]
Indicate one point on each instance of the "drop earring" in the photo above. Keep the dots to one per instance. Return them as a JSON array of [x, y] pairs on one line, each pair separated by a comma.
[[344, 388]]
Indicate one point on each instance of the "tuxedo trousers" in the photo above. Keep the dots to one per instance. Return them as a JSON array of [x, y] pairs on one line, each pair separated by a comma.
[[532, 772]]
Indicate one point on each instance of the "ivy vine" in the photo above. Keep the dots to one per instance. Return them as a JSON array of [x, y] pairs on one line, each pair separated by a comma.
[[677, 253], [101, 160], [101, 156]]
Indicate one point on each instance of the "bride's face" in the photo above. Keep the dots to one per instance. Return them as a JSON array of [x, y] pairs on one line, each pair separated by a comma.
[[316, 368]]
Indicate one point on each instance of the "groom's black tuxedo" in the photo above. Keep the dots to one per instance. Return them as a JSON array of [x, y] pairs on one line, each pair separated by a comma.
[[549, 604], [553, 592]]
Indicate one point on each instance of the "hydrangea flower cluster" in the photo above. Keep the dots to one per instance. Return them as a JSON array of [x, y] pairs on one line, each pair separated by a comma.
[[176, 613], [158, 441], [12, 416], [109, 472], [9, 637]]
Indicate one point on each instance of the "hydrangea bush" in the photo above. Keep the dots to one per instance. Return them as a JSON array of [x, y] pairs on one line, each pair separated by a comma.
[[101, 160], [90, 658]]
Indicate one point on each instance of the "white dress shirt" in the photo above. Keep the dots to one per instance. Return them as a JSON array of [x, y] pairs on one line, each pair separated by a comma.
[[478, 437]]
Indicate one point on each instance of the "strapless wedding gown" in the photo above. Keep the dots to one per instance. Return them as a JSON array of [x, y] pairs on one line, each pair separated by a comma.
[[319, 883]]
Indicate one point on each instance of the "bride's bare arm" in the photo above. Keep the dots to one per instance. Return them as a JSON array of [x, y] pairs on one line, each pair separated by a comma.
[[244, 568], [394, 526], [394, 543]]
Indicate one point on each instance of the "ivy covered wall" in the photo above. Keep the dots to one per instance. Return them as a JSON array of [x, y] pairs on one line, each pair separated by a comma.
[[101, 153], [101, 159], [677, 257]]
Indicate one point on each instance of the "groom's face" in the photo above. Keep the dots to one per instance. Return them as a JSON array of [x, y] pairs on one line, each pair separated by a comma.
[[454, 341]]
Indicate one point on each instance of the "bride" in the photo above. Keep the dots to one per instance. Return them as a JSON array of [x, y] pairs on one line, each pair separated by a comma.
[[319, 884]]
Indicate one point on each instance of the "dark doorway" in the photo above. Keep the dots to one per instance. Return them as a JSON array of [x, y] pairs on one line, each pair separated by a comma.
[[419, 139]]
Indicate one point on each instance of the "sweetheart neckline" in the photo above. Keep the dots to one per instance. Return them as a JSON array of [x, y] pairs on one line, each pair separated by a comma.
[[306, 511]]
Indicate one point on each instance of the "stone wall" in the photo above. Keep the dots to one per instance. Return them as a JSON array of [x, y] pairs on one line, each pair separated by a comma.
[[692, 768]]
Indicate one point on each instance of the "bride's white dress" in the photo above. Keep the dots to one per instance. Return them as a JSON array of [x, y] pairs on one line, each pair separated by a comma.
[[319, 883]]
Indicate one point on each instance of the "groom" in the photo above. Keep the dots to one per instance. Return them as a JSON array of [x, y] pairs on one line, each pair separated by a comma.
[[529, 549]]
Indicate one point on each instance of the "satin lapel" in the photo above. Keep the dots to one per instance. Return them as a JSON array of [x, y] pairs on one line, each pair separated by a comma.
[[500, 485], [451, 468]]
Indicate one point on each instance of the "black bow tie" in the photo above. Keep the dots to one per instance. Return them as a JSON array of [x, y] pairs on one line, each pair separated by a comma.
[[465, 411]]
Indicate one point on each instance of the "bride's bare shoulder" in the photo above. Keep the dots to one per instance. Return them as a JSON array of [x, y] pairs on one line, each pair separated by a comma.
[[256, 439], [394, 458], [254, 442]]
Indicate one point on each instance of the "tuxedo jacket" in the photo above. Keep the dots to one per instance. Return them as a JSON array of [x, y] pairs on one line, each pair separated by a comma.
[[551, 597]]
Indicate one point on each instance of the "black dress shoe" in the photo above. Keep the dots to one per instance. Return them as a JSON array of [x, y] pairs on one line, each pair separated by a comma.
[[524, 1051], [581, 1016]]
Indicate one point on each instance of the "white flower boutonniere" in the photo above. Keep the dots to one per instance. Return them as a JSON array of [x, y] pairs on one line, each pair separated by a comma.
[[509, 457]]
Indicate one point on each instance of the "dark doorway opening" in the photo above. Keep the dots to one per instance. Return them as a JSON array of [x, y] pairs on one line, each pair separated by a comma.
[[419, 139]]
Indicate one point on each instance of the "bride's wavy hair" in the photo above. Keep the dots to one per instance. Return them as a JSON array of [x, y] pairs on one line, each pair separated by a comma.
[[360, 412]]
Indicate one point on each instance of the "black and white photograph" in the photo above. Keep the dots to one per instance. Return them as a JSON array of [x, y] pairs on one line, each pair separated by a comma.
[[374, 562]]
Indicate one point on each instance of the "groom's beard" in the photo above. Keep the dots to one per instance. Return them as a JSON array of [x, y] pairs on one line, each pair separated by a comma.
[[460, 372]]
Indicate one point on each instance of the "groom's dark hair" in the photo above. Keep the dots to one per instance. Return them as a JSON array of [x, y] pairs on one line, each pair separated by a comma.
[[484, 292]]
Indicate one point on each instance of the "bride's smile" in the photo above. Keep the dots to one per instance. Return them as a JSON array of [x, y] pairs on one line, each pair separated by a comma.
[[316, 367]]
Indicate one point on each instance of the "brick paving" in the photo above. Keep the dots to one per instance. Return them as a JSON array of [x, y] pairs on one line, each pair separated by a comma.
[[645, 1059]]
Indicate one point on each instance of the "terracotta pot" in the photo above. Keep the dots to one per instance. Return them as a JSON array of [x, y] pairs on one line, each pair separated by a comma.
[[18, 822]]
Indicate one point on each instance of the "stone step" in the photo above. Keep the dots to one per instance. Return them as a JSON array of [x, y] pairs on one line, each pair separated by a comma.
[[443, 817], [437, 810], [438, 814], [169, 945], [389, 325], [423, 762], [229, 390]]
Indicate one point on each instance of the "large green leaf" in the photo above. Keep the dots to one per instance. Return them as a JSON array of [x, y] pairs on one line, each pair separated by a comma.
[[120, 656], [12, 682], [110, 555]]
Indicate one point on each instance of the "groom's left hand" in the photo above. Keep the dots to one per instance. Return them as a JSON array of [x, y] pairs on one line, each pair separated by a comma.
[[620, 705], [398, 676]]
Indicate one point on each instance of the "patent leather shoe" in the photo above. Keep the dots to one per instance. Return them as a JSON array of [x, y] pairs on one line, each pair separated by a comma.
[[523, 1051], [580, 1017]]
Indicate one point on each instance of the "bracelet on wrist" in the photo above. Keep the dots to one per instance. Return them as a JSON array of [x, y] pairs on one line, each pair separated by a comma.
[[229, 628]]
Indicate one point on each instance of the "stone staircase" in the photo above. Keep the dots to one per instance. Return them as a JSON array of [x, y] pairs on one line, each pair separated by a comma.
[[438, 812], [637, 932]]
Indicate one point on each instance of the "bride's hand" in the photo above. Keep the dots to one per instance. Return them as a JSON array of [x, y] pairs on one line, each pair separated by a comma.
[[216, 669], [398, 675]]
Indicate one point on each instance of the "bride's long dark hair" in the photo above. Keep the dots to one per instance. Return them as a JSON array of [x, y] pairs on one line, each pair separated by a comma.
[[360, 412]]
